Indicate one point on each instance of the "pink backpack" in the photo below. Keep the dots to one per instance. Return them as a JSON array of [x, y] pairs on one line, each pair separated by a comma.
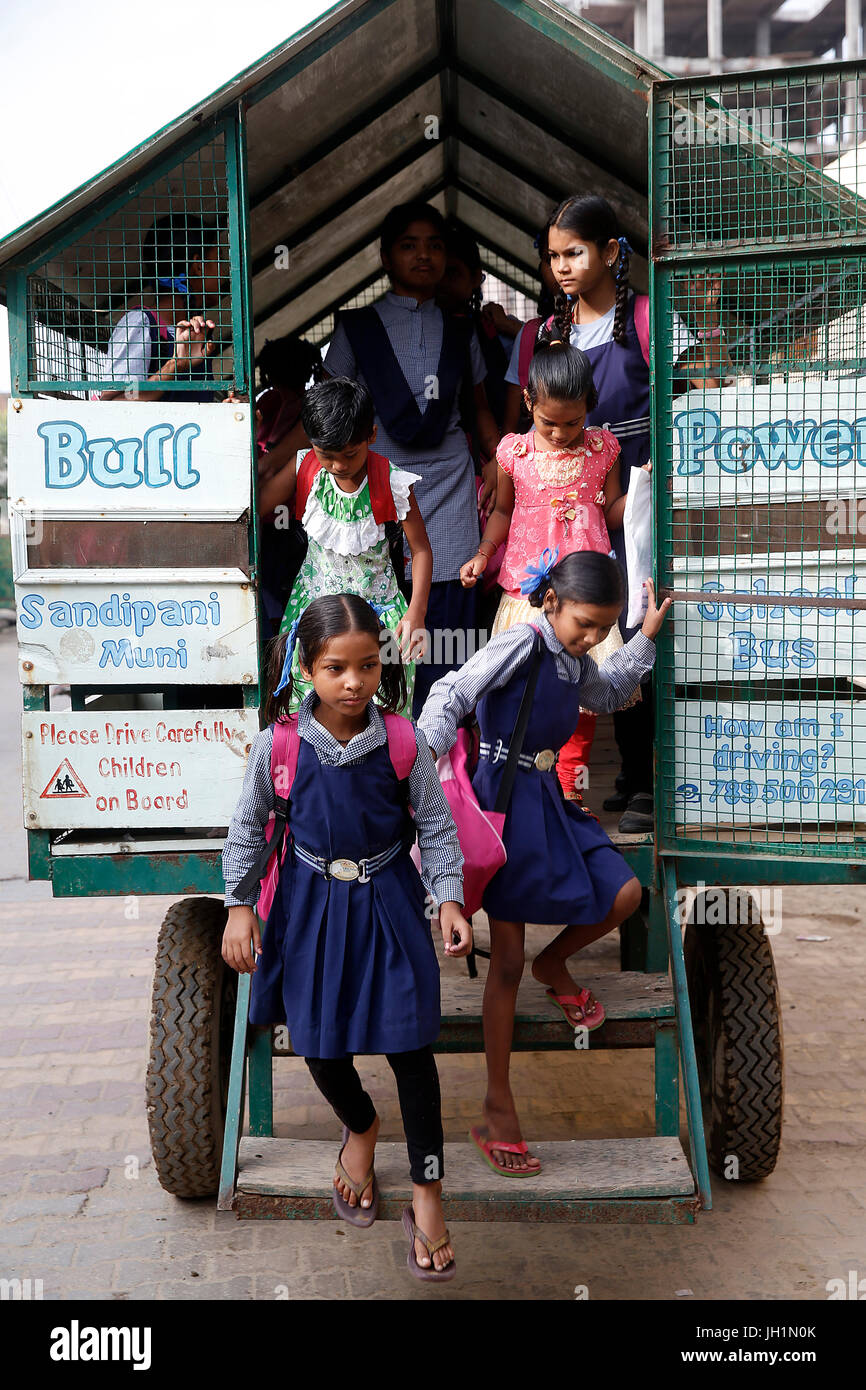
[[402, 749], [530, 333], [479, 832]]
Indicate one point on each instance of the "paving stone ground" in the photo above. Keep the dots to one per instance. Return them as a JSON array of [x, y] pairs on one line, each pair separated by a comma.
[[81, 1209]]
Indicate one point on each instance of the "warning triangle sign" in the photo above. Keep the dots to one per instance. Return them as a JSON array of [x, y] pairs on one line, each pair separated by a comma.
[[64, 783]]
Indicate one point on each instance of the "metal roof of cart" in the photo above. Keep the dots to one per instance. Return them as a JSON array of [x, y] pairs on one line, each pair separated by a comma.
[[492, 109]]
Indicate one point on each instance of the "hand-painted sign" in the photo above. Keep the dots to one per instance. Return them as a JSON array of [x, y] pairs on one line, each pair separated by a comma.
[[798, 439], [758, 762], [73, 457], [747, 640], [134, 769], [167, 631]]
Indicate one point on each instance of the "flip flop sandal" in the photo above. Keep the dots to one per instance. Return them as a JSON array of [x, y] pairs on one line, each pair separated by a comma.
[[438, 1276], [357, 1215], [590, 1018], [487, 1145]]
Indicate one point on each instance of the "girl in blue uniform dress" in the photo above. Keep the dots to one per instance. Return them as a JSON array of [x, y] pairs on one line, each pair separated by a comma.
[[561, 866], [346, 960]]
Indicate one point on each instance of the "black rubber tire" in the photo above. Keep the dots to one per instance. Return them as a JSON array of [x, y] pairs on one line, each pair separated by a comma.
[[191, 1022], [737, 1022]]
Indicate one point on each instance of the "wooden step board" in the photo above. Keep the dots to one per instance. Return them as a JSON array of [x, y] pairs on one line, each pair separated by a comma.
[[635, 1004], [633, 1001], [613, 1180]]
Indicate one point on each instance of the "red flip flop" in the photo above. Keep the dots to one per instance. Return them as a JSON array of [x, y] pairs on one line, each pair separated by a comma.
[[487, 1145], [591, 1020]]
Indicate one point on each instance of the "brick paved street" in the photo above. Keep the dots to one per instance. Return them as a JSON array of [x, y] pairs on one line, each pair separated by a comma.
[[81, 1208]]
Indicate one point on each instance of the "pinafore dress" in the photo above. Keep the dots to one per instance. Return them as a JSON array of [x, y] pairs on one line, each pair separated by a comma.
[[562, 869], [349, 966]]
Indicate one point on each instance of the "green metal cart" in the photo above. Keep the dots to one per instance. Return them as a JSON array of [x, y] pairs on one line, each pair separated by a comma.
[[136, 557]]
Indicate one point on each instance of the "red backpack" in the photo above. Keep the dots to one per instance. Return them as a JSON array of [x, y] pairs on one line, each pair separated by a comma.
[[402, 750], [378, 478]]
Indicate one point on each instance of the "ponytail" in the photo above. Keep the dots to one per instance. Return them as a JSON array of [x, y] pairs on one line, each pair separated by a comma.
[[621, 302]]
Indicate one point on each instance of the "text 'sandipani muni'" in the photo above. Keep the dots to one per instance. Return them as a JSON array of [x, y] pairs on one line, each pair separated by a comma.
[[346, 958], [561, 866], [413, 357]]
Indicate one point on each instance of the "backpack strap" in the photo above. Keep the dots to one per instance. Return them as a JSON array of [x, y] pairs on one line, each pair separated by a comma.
[[527, 348], [304, 481], [381, 497], [515, 743], [402, 750], [641, 324], [284, 764], [157, 322], [402, 747]]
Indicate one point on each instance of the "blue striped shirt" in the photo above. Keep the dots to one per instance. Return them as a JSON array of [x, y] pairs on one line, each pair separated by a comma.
[[602, 688], [446, 490], [441, 859]]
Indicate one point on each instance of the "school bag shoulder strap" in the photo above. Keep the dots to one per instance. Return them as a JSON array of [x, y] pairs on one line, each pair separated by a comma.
[[304, 481], [402, 747], [641, 324], [156, 322], [284, 756], [285, 746], [527, 348], [379, 480]]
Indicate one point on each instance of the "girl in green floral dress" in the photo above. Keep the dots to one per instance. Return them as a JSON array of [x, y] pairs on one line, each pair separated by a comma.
[[344, 494]]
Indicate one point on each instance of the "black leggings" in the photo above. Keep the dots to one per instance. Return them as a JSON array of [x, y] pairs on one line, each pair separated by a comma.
[[418, 1089]]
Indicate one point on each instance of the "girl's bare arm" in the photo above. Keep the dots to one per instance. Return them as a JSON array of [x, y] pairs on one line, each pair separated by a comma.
[[614, 498], [279, 489]]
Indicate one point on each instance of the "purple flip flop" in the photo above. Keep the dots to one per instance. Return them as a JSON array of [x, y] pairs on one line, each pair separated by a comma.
[[438, 1276], [356, 1216]]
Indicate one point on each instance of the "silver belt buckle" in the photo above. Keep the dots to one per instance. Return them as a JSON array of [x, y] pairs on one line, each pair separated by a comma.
[[346, 870], [545, 759]]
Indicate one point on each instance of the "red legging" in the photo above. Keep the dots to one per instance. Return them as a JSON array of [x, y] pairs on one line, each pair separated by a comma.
[[574, 756]]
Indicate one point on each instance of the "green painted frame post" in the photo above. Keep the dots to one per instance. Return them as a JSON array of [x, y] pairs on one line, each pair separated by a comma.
[[697, 1140], [667, 1079], [235, 1099], [260, 1072]]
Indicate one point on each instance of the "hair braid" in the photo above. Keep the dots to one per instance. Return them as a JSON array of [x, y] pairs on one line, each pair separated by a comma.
[[560, 330], [621, 302]]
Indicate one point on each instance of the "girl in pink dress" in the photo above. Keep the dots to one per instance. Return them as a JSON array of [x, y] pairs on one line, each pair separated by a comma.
[[558, 490]]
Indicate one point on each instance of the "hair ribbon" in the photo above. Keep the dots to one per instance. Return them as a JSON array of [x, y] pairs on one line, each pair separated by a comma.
[[178, 283], [536, 575], [287, 662]]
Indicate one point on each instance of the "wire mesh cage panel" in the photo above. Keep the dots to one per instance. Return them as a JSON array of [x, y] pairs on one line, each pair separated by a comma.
[[751, 160], [760, 456], [105, 305]]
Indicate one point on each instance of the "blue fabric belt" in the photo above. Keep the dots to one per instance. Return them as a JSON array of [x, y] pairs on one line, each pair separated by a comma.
[[348, 870], [544, 759]]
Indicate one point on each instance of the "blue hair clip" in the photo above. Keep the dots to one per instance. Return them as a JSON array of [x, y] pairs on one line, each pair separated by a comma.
[[178, 283], [623, 241], [287, 663], [539, 574]]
